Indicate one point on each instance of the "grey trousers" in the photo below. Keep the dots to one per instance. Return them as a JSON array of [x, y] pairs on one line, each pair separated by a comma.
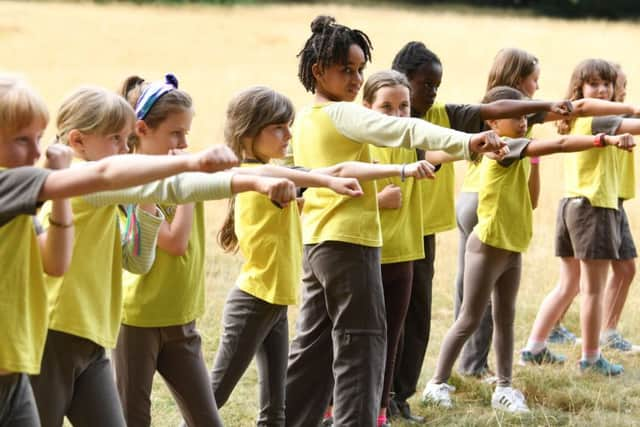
[[341, 328], [489, 273], [17, 404], [475, 353], [414, 338], [76, 380], [176, 353], [251, 327]]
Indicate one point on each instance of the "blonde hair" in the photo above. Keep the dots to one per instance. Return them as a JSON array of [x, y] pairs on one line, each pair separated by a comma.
[[248, 113], [385, 78], [93, 110], [585, 71], [20, 105], [510, 67], [174, 101]]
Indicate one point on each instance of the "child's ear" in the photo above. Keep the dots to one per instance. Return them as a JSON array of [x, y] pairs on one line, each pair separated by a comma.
[[493, 124], [141, 128], [316, 70], [76, 141], [366, 104]]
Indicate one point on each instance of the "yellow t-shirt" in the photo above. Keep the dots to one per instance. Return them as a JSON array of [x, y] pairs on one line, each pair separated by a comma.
[[504, 203], [593, 173], [326, 215], [87, 300], [270, 241], [438, 195], [627, 174], [401, 228], [23, 304], [173, 291]]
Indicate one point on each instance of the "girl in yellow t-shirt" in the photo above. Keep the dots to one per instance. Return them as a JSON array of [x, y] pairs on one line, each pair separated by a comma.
[[493, 258], [424, 70], [76, 379], [342, 324], [270, 240], [23, 118], [590, 229]]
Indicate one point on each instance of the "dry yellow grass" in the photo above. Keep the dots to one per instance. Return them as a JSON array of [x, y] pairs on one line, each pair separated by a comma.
[[216, 51]]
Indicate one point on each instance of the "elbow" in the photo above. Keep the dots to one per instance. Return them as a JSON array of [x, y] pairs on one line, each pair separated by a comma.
[[56, 269]]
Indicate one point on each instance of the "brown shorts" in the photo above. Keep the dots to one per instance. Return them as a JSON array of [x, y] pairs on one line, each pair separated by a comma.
[[587, 232]]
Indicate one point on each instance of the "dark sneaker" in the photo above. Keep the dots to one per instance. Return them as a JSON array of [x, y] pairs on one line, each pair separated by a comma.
[[617, 342], [327, 422], [404, 411], [545, 357], [561, 335], [601, 366]]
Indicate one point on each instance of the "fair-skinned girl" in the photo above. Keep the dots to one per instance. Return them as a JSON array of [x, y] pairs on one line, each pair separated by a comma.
[[23, 118], [493, 256], [270, 240], [400, 204], [76, 379], [440, 212], [342, 323], [591, 229]]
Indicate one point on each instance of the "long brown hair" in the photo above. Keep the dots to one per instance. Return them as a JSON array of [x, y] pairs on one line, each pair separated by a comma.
[[248, 113], [587, 70]]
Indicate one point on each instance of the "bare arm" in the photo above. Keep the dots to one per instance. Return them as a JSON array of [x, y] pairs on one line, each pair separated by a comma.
[[174, 236], [573, 143], [439, 157], [370, 171], [534, 184], [56, 244], [631, 126], [508, 108], [123, 171]]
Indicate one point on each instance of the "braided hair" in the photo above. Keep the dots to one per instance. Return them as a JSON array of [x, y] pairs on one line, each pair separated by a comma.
[[412, 56], [329, 44]]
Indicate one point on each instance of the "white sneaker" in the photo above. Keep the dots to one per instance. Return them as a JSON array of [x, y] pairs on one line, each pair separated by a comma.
[[510, 400], [438, 394]]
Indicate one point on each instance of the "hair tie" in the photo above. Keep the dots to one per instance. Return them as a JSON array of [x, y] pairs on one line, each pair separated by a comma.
[[152, 92]]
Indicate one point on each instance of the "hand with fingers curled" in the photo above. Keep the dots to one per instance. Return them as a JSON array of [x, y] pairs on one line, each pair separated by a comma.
[[58, 156]]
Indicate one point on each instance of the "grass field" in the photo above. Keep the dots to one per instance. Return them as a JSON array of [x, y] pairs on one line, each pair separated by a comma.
[[216, 51]]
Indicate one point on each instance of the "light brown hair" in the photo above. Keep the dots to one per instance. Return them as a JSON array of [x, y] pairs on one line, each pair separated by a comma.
[[248, 113], [510, 67], [385, 78], [19, 105]]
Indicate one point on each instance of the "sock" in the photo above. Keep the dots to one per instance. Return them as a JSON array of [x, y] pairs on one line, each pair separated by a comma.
[[382, 419], [607, 333], [590, 356], [535, 347]]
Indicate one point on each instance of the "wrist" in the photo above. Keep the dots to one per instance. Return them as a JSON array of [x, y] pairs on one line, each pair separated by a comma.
[[402, 172], [535, 160], [599, 140]]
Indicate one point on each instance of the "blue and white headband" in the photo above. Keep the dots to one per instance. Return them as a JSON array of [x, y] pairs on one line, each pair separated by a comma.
[[152, 92]]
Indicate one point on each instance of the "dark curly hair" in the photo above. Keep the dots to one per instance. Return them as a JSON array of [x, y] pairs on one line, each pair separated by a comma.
[[329, 44], [412, 56]]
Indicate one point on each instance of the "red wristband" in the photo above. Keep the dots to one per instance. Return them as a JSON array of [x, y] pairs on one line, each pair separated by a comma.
[[599, 141], [535, 160]]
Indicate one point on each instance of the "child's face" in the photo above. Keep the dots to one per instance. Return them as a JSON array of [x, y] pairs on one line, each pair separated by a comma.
[[511, 128], [169, 135], [272, 142], [529, 85], [21, 148], [339, 82], [392, 101], [598, 88], [96, 147], [425, 83]]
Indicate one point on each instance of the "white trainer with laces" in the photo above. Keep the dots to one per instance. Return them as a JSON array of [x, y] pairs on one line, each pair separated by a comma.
[[509, 399], [438, 394]]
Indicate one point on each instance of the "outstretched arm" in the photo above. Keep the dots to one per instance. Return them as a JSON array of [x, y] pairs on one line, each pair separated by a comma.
[[573, 143], [129, 170], [509, 108]]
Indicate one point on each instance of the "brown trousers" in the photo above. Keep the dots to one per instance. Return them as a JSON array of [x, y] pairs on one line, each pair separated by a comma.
[[176, 353], [76, 380], [489, 272], [341, 328]]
